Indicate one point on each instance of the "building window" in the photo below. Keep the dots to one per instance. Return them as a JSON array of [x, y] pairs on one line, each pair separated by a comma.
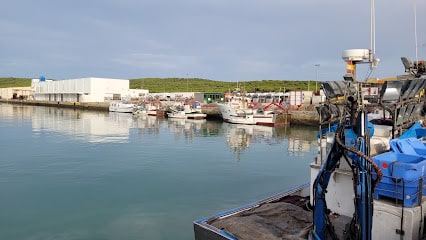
[[116, 96]]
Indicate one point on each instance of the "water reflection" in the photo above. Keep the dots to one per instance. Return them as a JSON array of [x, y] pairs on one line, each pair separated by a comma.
[[90, 126], [191, 128], [239, 137], [14, 113], [185, 128], [147, 125], [93, 126], [299, 140]]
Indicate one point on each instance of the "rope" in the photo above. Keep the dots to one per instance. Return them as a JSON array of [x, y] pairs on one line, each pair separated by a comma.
[[359, 153]]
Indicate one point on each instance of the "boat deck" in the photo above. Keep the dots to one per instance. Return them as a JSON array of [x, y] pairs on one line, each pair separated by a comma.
[[283, 219]]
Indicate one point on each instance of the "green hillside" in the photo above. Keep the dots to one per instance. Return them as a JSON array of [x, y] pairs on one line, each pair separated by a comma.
[[204, 85], [15, 82], [155, 85]]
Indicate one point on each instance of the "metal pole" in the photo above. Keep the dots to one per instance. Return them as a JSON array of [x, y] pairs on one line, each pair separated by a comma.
[[316, 77], [187, 88]]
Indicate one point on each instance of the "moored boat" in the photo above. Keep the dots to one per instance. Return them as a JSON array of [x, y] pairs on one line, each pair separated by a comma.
[[156, 112], [123, 107], [153, 110], [186, 112], [239, 112], [140, 110], [150, 108]]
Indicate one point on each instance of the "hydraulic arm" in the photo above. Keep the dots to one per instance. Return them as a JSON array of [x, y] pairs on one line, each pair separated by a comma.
[[363, 182]]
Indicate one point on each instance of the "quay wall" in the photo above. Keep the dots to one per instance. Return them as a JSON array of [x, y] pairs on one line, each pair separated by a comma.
[[298, 117], [98, 106]]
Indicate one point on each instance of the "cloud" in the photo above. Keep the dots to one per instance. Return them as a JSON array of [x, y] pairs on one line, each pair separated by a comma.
[[217, 39]]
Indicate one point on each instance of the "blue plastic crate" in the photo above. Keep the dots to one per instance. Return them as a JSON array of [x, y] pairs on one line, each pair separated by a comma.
[[410, 146], [420, 132], [402, 177], [409, 193]]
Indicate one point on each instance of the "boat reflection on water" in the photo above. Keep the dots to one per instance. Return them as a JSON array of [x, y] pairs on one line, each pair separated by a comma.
[[147, 125], [299, 140], [190, 128], [96, 126], [298, 147], [239, 136], [178, 125]]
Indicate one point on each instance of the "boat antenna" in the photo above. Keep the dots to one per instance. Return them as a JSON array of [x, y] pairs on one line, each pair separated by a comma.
[[373, 60], [372, 30], [415, 30]]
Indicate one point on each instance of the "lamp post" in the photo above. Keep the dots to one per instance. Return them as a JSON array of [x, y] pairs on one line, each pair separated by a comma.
[[316, 77], [187, 86]]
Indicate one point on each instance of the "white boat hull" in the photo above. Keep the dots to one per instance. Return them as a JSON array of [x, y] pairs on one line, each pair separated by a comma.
[[184, 115], [140, 112], [247, 116], [121, 107]]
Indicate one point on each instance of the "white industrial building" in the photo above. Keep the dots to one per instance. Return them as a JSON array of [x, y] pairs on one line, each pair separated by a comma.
[[84, 90]]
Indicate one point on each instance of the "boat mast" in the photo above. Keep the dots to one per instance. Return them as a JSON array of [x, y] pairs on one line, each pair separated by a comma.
[[372, 31], [373, 60], [415, 32]]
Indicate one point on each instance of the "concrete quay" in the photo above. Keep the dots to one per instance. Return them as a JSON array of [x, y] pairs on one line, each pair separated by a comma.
[[76, 105]]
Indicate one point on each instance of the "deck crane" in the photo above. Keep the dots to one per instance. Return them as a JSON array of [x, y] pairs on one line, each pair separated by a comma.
[[351, 142]]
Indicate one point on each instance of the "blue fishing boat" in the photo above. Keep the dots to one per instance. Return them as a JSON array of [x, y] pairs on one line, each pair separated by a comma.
[[367, 181]]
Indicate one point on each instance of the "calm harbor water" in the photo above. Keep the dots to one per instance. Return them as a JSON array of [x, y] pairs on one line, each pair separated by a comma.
[[74, 174]]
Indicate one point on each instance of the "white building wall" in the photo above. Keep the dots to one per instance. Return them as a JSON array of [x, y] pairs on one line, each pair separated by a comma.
[[80, 90], [295, 98], [172, 96], [106, 88], [138, 93], [6, 93]]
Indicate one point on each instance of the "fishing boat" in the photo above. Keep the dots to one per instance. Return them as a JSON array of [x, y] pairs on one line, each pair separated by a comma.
[[140, 112], [123, 107], [239, 111], [186, 112], [150, 108], [154, 110], [367, 180]]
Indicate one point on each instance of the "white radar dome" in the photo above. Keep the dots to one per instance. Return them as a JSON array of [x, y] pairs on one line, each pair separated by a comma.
[[356, 54]]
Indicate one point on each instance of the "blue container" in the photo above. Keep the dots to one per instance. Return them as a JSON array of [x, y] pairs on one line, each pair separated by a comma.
[[420, 132], [402, 177], [410, 146]]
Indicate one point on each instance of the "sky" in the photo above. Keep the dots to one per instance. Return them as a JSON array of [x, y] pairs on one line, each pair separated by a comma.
[[224, 40]]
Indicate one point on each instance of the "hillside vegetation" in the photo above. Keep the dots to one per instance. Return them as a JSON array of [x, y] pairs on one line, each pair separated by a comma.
[[15, 82], [156, 85]]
